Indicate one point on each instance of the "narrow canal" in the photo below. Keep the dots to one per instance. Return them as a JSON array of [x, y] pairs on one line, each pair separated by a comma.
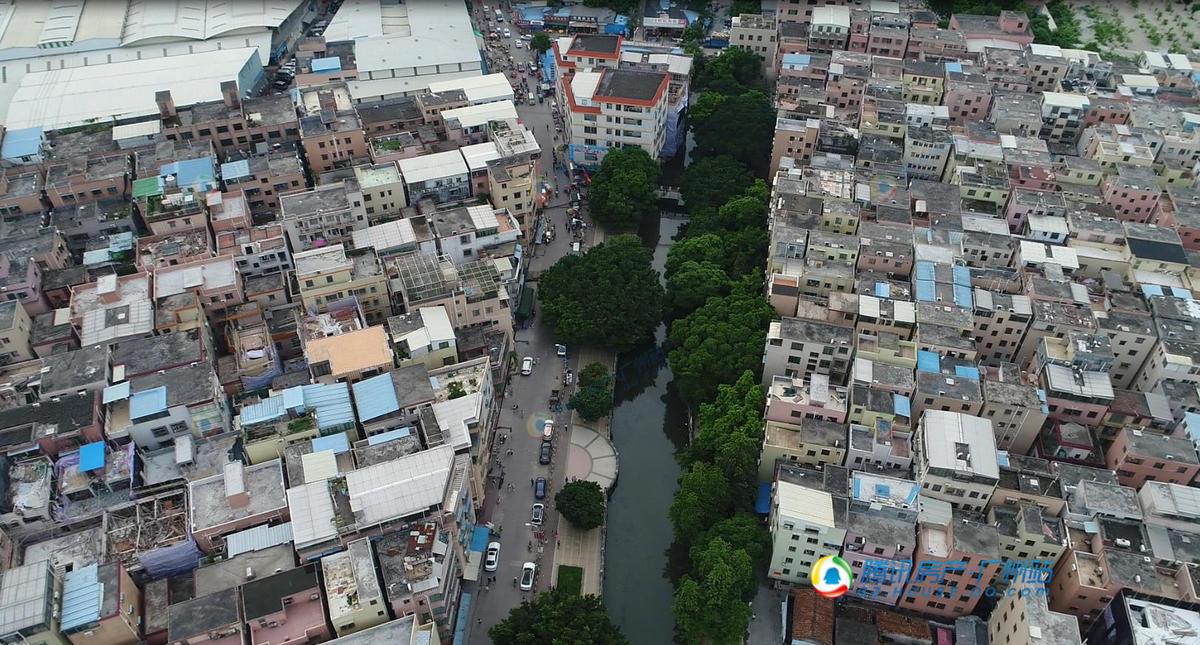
[[647, 429]]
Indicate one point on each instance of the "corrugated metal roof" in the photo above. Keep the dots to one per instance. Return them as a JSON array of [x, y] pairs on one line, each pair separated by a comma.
[[337, 443], [235, 169], [269, 409], [148, 402], [375, 397], [24, 142], [82, 593], [331, 404], [258, 538], [400, 433]]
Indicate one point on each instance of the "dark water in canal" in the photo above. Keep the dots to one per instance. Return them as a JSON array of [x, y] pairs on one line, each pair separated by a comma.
[[648, 427]]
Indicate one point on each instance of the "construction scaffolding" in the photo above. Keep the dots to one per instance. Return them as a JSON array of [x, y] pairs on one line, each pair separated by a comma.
[[151, 535]]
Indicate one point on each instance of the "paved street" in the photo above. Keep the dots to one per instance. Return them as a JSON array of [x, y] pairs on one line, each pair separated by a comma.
[[510, 509]]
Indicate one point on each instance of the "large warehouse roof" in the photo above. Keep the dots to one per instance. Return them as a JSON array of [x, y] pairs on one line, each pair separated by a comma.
[[69, 97], [200, 19]]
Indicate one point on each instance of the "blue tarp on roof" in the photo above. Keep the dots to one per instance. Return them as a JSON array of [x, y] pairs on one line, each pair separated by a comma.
[[197, 174], [1042, 397], [928, 361], [962, 275], [796, 59], [1149, 290], [235, 170], [883, 290], [390, 435], [966, 372], [338, 443], [375, 397], [1180, 292], [479, 539], [925, 290], [81, 596], [953, 67], [91, 457], [24, 142], [463, 619], [121, 241], [901, 405], [762, 503], [147, 402], [327, 64], [923, 270], [963, 296]]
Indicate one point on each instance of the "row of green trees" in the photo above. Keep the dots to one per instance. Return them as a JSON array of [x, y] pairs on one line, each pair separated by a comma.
[[718, 329]]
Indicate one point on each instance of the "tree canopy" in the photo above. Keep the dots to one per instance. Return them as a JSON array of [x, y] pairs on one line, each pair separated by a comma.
[[692, 285], [703, 500], [540, 42], [719, 341], [582, 503], [711, 607], [557, 618], [708, 247], [594, 397], [711, 181], [609, 296], [622, 191], [733, 72], [742, 127]]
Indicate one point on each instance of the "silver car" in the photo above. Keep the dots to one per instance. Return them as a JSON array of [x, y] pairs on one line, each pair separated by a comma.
[[539, 514]]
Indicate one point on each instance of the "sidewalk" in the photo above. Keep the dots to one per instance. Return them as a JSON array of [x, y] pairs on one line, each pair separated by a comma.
[[585, 549]]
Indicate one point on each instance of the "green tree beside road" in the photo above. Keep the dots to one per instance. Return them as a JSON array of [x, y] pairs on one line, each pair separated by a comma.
[[609, 296], [558, 618], [582, 503], [622, 192]]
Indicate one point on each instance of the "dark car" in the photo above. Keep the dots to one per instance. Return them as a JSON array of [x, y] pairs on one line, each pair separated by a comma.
[[539, 488], [544, 455]]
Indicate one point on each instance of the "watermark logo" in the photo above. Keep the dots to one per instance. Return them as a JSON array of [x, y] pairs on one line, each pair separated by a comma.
[[831, 577]]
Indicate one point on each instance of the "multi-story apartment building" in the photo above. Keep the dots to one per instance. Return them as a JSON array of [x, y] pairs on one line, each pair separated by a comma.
[[1140, 456], [1024, 618], [881, 534], [322, 216], [955, 459], [442, 177], [965, 555], [615, 108], [328, 275], [798, 348], [330, 132], [353, 593], [807, 520], [263, 178], [758, 34]]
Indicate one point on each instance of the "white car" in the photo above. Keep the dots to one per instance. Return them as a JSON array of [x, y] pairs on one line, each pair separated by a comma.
[[492, 562], [561, 350], [539, 514], [519, 45], [527, 366], [526, 36], [528, 573], [507, 34], [548, 430]]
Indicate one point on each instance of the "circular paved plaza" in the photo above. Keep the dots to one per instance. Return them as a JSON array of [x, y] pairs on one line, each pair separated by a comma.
[[591, 457]]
